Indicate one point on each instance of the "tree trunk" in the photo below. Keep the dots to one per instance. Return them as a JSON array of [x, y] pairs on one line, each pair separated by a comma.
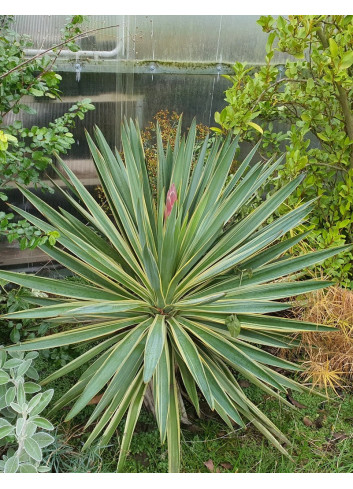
[[342, 98]]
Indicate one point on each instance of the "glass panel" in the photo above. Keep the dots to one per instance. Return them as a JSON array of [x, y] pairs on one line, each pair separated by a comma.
[[193, 38], [44, 30], [172, 38], [146, 64]]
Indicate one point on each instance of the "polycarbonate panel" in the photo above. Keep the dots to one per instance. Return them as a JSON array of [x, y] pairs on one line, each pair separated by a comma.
[[45, 30], [197, 38], [147, 64], [166, 38], [126, 91]]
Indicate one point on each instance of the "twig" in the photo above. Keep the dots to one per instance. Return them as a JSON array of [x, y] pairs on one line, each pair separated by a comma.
[[298, 80], [78, 36]]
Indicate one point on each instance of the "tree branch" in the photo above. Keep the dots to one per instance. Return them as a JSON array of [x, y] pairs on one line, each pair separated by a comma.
[[341, 97], [298, 80], [78, 36]]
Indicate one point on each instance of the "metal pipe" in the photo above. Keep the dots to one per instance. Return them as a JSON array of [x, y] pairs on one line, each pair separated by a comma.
[[84, 54]]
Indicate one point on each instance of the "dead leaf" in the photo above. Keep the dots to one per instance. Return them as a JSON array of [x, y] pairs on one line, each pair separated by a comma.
[[244, 383], [338, 437], [295, 403], [227, 465], [307, 421], [96, 399], [335, 438], [210, 465], [221, 434]]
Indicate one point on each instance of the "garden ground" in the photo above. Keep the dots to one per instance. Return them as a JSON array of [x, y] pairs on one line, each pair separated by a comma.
[[321, 431]]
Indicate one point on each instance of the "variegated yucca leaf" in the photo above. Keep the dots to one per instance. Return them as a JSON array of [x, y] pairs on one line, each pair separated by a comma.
[[179, 291]]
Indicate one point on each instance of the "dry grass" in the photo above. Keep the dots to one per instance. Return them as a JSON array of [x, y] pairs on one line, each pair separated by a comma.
[[330, 355]]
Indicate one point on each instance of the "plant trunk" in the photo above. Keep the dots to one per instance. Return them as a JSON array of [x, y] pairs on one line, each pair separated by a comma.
[[149, 404], [348, 117], [342, 98], [148, 399]]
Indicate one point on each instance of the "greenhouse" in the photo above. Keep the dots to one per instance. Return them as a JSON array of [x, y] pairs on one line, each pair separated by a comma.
[[176, 268]]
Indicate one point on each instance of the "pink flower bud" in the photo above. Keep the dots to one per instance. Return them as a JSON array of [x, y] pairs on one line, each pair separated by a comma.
[[171, 198]]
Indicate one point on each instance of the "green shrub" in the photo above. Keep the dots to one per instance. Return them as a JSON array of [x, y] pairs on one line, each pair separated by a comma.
[[25, 152], [311, 98], [20, 422], [17, 299], [180, 290]]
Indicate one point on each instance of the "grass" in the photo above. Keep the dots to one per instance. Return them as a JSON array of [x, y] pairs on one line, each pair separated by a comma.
[[321, 433], [246, 451]]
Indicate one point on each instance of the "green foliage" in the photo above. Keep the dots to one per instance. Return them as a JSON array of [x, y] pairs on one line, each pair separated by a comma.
[[27, 235], [171, 301], [11, 301], [21, 403], [25, 152], [66, 458], [17, 299], [70, 30], [311, 100]]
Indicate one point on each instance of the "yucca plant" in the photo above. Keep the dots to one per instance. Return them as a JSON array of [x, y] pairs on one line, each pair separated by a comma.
[[180, 290]]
